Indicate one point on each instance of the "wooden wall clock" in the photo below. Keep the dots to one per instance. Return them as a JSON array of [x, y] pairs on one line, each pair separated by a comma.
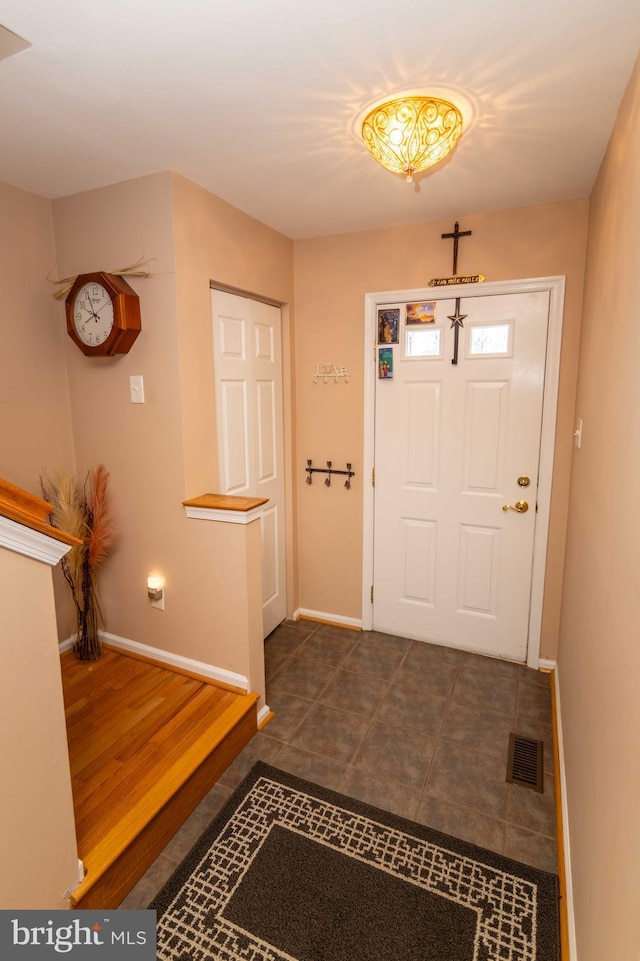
[[103, 314]]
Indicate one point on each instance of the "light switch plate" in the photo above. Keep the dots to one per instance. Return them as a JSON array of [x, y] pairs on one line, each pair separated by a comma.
[[136, 389]]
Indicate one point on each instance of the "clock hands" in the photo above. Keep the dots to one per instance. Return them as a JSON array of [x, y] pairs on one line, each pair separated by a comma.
[[90, 309], [94, 313]]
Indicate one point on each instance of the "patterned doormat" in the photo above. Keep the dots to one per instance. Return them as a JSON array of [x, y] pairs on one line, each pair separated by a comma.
[[289, 871]]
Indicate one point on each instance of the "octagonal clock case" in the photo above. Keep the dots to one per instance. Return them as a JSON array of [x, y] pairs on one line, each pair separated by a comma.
[[103, 314]]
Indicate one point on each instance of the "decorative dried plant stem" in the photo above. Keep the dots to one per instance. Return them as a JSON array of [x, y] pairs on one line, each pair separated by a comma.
[[66, 283], [85, 512]]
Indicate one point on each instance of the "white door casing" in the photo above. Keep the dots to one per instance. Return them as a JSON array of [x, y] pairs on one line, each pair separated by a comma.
[[449, 564], [451, 441], [248, 378]]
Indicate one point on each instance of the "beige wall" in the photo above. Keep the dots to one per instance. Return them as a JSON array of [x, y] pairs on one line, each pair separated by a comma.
[[332, 275], [216, 242], [599, 664], [34, 400], [35, 414], [162, 452], [39, 859], [141, 445], [165, 450]]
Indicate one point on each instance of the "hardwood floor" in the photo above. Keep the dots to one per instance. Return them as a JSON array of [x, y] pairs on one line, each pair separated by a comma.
[[146, 743]]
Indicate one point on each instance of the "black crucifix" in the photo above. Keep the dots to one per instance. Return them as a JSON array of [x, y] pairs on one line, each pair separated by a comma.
[[457, 318]]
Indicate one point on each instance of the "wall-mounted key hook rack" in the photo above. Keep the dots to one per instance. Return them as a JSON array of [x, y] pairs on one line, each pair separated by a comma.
[[326, 371], [329, 470]]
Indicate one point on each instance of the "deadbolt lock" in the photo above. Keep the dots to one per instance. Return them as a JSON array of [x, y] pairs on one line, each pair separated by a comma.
[[523, 482]]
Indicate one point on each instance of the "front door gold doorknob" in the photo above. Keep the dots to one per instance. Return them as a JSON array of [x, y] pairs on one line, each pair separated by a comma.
[[520, 507]]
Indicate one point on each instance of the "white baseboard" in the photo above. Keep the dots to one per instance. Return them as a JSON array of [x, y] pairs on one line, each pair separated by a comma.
[[546, 665], [186, 663], [176, 660], [173, 660], [81, 873], [325, 618], [263, 714], [562, 783]]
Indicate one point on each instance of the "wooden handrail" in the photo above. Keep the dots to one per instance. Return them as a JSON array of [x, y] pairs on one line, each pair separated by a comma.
[[19, 505]]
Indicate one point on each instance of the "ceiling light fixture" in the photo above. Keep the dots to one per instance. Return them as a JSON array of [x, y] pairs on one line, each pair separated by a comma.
[[409, 134]]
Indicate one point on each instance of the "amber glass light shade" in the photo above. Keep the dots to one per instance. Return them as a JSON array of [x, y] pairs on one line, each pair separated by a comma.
[[413, 133]]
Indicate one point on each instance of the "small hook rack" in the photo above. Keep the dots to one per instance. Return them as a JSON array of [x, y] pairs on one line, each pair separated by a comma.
[[325, 371], [329, 470]]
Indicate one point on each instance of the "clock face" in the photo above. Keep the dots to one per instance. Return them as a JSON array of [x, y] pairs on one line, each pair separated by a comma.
[[93, 314]]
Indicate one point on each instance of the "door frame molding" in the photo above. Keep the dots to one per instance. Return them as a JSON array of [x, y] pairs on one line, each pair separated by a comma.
[[215, 286], [555, 286]]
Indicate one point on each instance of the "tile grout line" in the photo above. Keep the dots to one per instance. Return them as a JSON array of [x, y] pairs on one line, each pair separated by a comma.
[[423, 793], [439, 737], [523, 678], [351, 764], [509, 786]]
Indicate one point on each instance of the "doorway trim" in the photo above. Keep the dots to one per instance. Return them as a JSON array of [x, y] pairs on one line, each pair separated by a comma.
[[287, 421], [555, 286]]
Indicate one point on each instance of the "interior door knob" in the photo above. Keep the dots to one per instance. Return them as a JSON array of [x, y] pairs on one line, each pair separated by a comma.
[[520, 507]]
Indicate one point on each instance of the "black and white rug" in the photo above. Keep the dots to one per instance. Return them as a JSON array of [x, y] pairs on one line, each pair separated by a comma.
[[289, 871]]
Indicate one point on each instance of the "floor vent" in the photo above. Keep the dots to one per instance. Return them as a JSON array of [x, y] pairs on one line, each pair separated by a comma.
[[525, 762]]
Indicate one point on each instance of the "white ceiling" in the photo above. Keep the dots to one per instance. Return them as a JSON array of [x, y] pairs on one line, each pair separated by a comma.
[[257, 100]]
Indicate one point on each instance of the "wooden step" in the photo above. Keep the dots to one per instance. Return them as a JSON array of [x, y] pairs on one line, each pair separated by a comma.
[[146, 744]]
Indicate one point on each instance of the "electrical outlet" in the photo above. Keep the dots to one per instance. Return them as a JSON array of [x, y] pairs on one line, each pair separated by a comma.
[[159, 604]]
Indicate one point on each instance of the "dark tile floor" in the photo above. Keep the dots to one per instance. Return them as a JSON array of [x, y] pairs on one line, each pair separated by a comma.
[[414, 728]]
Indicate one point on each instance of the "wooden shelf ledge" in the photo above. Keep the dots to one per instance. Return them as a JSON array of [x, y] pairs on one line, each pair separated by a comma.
[[226, 508], [226, 502]]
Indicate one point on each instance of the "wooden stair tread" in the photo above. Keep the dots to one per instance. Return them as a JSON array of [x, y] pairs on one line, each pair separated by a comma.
[[145, 745], [136, 779], [103, 850], [134, 730]]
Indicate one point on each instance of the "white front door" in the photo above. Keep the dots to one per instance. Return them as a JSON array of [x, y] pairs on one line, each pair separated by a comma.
[[454, 446], [248, 376]]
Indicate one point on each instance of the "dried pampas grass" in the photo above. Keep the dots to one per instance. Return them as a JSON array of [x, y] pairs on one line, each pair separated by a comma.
[[85, 512], [102, 527]]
